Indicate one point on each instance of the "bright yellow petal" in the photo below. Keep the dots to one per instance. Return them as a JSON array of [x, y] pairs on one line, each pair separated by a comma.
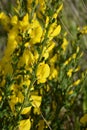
[[14, 20], [64, 44], [43, 72], [36, 100], [56, 31], [26, 110], [25, 124], [58, 10]]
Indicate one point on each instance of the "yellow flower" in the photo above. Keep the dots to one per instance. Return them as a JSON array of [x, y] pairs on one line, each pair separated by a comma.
[[15, 99], [70, 92], [25, 124], [64, 44], [6, 66], [77, 82], [37, 111], [20, 97], [50, 46], [36, 55], [77, 69], [12, 102], [26, 59], [36, 32], [27, 45], [53, 59], [84, 30], [73, 56], [54, 30], [45, 55], [14, 20], [67, 61], [24, 24], [43, 72], [52, 27], [57, 11], [26, 110], [47, 21], [45, 52], [53, 73], [11, 46], [36, 101], [12, 35], [5, 20], [26, 82], [69, 73]]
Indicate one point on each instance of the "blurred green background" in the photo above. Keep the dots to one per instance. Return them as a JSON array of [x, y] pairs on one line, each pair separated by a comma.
[[74, 16]]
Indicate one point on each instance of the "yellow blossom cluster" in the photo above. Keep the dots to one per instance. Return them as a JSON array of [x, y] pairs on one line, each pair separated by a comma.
[[33, 61], [24, 36], [83, 30]]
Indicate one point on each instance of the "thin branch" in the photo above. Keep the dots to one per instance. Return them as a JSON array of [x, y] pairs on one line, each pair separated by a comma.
[[43, 117], [66, 28]]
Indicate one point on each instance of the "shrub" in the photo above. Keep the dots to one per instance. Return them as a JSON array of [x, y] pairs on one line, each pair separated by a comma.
[[40, 75]]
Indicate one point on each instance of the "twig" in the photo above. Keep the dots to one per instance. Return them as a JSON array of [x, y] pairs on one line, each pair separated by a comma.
[[43, 117], [66, 28]]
